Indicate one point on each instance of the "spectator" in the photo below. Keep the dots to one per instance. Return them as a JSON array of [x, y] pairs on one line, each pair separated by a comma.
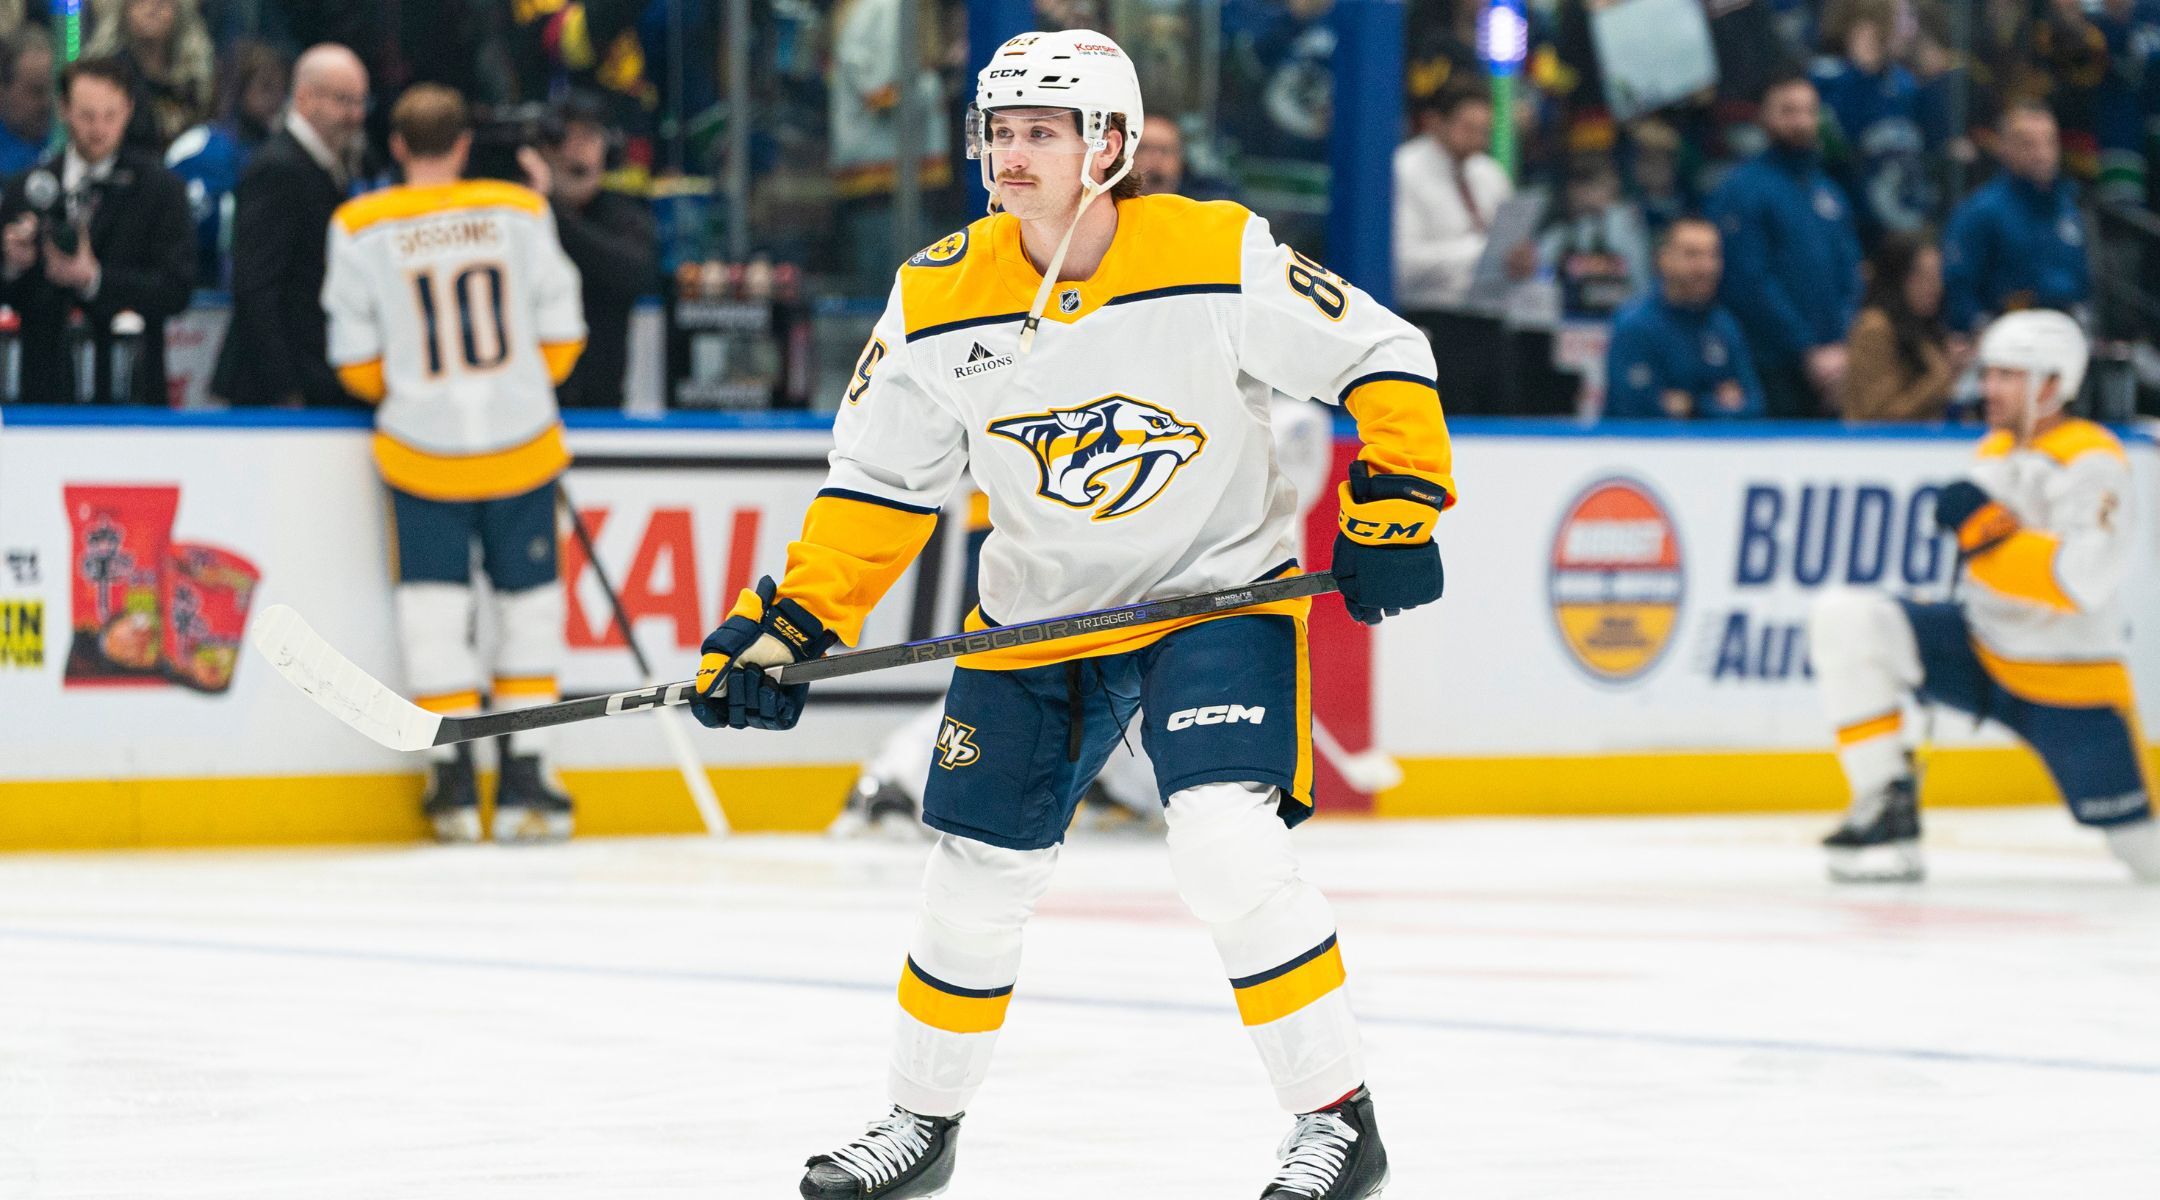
[[98, 227], [1598, 249], [1160, 163], [165, 49], [1657, 182], [611, 239], [2019, 241], [274, 351], [26, 98], [1447, 190], [1792, 258], [1874, 110], [1902, 364], [211, 158], [1676, 352], [865, 103]]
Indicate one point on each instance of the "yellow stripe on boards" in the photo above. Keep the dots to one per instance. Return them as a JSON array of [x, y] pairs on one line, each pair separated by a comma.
[[113, 814], [943, 1010], [1696, 783], [1279, 997]]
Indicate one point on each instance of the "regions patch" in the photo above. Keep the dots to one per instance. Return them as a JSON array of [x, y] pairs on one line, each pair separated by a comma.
[[1616, 580], [1076, 450], [943, 252]]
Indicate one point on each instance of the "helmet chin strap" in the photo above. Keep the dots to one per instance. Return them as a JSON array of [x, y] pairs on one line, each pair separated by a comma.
[[1088, 192]]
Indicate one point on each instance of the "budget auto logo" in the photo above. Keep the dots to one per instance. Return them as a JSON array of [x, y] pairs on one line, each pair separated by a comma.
[[1616, 579]]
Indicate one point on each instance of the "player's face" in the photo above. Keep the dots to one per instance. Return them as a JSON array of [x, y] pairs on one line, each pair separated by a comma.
[[97, 114], [1036, 157], [2002, 389]]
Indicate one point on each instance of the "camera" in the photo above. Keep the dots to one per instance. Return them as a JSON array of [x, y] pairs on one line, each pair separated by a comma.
[[501, 130]]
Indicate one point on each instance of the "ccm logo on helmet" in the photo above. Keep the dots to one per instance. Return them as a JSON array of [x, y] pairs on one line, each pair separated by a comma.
[[1215, 714], [1007, 73]]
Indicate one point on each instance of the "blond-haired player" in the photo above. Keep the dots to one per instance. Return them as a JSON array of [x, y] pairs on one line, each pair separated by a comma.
[[2044, 528], [454, 309], [1102, 363]]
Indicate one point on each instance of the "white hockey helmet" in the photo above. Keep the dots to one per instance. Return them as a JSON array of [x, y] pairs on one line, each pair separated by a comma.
[[2041, 342], [1078, 69]]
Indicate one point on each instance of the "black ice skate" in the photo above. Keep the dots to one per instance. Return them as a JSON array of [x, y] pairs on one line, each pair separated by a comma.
[[528, 805], [901, 1157], [1885, 849], [877, 808], [1333, 1154], [452, 801]]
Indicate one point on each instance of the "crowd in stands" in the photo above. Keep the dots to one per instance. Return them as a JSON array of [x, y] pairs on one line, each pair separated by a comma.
[[1818, 234]]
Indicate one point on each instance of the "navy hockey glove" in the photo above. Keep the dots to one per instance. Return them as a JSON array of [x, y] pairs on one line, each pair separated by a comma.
[[763, 631], [1978, 522], [1385, 558]]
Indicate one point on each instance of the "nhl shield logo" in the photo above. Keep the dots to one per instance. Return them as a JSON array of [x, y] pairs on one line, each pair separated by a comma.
[[1616, 582], [1078, 450], [1069, 301]]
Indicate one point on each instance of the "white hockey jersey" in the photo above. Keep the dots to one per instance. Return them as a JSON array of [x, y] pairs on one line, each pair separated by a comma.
[[455, 307], [2045, 603], [1128, 456]]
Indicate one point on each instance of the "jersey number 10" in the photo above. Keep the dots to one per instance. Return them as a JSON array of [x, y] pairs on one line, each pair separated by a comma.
[[477, 293]]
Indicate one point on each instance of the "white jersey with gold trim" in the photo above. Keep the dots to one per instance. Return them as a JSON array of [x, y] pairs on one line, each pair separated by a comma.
[[1128, 456], [2052, 591]]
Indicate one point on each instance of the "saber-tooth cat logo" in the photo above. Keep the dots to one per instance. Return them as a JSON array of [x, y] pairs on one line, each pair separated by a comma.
[[1077, 449]]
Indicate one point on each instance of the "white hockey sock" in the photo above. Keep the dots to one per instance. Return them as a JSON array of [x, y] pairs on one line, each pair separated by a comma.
[[1276, 935], [1866, 661], [961, 968]]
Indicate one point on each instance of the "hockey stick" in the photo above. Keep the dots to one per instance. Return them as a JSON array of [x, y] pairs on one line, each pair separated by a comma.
[[672, 730], [1370, 771], [358, 699]]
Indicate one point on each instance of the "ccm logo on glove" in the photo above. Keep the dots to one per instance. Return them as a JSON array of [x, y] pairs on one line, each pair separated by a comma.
[[1215, 714]]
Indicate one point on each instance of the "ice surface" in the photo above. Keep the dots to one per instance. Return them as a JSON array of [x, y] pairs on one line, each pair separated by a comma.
[[1655, 1008]]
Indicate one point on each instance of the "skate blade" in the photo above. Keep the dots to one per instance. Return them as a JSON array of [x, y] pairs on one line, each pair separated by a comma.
[[457, 826], [519, 826], [1891, 862]]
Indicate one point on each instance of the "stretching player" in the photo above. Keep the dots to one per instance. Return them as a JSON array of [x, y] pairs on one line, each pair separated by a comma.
[[1104, 369], [453, 307], [886, 799], [2044, 531]]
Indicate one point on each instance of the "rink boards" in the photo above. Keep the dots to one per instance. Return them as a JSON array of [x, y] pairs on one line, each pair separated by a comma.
[[1624, 628]]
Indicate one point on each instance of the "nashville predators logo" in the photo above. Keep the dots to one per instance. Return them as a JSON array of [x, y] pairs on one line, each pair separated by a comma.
[[954, 748], [1078, 450]]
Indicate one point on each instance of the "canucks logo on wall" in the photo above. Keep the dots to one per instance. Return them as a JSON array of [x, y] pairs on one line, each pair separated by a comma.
[[1617, 580], [1078, 451]]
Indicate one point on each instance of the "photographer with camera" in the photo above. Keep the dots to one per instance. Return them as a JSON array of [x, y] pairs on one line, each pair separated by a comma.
[[610, 236], [100, 229]]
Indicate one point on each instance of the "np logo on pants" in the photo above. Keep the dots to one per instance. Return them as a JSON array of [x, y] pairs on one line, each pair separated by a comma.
[[954, 748], [1215, 714]]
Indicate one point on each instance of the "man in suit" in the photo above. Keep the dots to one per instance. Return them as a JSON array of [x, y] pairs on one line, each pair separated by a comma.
[[274, 351], [611, 239], [99, 229]]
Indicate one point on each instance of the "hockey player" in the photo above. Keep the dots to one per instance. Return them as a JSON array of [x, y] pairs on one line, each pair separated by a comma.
[[1102, 363], [453, 307], [2044, 533], [887, 798]]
